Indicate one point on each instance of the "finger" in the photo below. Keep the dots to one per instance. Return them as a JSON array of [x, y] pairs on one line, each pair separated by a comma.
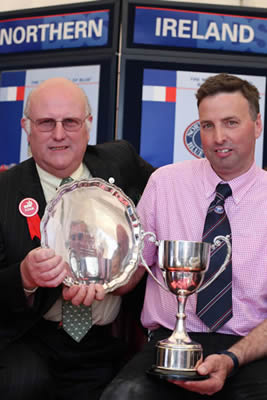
[[50, 263], [208, 386], [42, 254], [55, 281], [47, 275], [99, 292], [69, 292], [178, 383], [39, 270], [79, 297], [189, 385], [90, 295], [52, 273], [203, 369]]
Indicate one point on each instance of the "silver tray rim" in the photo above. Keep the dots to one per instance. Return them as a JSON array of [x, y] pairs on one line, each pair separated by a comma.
[[130, 210]]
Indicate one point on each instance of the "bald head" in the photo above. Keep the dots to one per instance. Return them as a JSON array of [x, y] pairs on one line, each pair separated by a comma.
[[57, 84]]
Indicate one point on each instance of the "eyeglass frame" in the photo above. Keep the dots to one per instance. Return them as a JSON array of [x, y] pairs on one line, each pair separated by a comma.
[[81, 122]]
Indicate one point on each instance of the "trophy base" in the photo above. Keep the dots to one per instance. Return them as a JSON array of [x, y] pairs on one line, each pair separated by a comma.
[[176, 375], [177, 359]]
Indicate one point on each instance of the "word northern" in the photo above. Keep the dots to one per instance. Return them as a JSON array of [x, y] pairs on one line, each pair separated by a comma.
[[68, 30]]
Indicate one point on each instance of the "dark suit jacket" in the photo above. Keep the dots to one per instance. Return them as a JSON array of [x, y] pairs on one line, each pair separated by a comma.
[[115, 159]]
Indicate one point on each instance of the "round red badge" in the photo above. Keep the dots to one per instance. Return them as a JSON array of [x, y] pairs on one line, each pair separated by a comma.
[[28, 207]]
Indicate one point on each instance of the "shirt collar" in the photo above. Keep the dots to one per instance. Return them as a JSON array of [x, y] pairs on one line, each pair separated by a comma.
[[239, 185], [53, 180]]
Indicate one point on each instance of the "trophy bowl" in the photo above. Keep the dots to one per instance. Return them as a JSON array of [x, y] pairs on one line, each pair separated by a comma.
[[184, 264], [93, 225]]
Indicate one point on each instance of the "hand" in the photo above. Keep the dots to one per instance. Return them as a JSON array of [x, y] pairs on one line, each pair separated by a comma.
[[83, 294], [42, 267], [218, 367]]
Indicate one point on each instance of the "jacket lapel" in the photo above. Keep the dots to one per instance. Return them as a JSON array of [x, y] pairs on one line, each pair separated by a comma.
[[101, 169], [30, 187]]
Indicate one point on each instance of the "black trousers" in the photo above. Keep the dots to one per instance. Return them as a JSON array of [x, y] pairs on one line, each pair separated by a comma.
[[132, 382], [48, 364]]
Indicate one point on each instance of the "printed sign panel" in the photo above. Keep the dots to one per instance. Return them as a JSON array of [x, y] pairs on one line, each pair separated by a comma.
[[87, 29], [199, 30]]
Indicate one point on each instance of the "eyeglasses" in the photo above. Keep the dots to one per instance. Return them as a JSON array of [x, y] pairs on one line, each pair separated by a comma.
[[81, 236], [49, 124]]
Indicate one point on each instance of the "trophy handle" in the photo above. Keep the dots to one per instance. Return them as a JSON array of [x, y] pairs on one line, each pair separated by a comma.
[[152, 239], [216, 243]]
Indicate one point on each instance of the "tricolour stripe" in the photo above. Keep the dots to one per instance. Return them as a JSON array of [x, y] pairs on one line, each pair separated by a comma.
[[159, 93], [12, 93]]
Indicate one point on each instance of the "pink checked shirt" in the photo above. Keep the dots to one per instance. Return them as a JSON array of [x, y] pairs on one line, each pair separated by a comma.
[[174, 206]]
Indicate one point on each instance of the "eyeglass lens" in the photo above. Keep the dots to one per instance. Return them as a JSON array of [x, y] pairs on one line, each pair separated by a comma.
[[48, 124]]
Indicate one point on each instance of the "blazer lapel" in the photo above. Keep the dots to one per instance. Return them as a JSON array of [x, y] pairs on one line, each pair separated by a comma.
[[101, 169], [31, 187]]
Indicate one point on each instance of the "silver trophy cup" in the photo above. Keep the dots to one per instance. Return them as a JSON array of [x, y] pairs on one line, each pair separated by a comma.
[[183, 264]]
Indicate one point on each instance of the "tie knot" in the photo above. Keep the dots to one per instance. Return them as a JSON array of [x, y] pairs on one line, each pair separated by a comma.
[[68, 179], [223, 190]]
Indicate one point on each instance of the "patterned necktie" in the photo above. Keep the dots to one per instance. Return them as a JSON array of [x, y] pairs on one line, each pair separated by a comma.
[[76, 320], [66, 180], [214, 304]]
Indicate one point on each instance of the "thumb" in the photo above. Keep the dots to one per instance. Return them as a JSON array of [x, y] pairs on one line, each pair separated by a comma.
[[203, 369], [207, 366]]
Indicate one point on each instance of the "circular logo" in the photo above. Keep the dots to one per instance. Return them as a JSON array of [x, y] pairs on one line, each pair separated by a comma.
[[28, 207], [219, 209], [192, 140]]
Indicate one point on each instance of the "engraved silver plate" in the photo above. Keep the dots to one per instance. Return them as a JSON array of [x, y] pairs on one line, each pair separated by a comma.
[[93, 225]]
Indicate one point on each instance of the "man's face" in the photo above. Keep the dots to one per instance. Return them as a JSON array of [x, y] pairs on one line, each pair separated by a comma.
[[59, 152], [228, 133], [80, 240]]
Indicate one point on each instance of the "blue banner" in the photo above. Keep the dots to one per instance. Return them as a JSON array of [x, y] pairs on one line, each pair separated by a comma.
[[199, 30], [86, 29], [158, 117]]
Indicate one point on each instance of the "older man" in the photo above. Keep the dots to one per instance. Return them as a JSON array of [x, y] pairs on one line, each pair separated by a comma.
[[38, 359]]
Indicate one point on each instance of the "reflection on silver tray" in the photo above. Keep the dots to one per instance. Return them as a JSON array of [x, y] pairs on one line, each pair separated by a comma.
[[93, 225]]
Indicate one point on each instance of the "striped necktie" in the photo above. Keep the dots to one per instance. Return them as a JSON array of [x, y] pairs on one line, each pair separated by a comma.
[[214, 304], [76, 320]]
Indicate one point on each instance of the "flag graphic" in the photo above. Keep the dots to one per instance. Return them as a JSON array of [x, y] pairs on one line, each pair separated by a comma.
[[12, 93]]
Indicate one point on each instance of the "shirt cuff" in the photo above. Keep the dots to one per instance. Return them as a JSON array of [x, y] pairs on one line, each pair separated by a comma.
[[30, 291]]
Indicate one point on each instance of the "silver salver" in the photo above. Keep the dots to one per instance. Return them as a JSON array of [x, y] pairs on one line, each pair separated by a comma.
[[93, 225]]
